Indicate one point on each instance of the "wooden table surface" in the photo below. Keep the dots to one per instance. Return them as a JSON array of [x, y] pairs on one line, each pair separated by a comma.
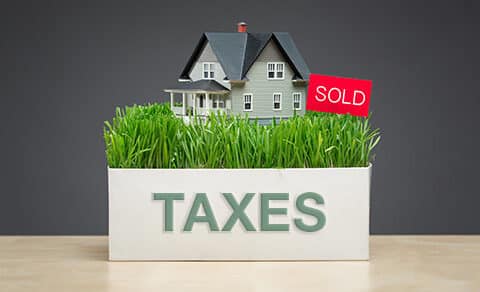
[[398, 263]]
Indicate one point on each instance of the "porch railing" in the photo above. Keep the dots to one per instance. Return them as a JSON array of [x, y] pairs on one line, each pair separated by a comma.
[[178, 110]]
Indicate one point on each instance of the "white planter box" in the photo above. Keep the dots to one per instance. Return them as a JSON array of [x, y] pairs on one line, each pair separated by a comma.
[[137, 227]]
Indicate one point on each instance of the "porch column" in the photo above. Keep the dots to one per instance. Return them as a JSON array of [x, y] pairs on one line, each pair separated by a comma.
[[228, 102], [207, 96], [194, 103], [184, 103], [171, 100]]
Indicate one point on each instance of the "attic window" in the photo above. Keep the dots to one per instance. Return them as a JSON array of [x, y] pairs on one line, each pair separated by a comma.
[[208, 70], [275, 70]]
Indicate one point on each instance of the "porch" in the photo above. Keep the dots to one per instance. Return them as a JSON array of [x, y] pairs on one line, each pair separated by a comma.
[[199, 98]]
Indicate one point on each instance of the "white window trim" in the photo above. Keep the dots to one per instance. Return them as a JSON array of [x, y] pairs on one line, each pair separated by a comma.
[[275, 71], [210, 65], [251, 102], [273, 101], [299, 102]]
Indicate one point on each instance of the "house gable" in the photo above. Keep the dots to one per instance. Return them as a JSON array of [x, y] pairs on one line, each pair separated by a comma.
[[262, 89], [283, 49], [208, 55], [270, 53]]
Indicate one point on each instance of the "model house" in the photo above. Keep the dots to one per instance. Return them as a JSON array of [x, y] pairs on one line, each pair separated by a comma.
[[262, 75]]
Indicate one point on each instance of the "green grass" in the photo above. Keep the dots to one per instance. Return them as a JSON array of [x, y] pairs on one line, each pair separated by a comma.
[[152, 137]]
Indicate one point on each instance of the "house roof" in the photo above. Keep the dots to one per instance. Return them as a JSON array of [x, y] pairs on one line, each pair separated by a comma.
[[237, 52], [200, 85]]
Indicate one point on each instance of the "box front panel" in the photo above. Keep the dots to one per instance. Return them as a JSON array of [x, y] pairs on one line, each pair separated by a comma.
[[242, 214]]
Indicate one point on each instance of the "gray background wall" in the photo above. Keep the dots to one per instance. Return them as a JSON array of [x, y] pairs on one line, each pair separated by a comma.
[[65, 67]]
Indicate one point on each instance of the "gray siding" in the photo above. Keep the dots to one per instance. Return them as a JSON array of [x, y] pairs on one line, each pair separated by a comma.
[[208, 55], [262, 89]]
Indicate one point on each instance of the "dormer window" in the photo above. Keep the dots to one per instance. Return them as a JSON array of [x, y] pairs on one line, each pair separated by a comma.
[[208, 70], [275, 70]]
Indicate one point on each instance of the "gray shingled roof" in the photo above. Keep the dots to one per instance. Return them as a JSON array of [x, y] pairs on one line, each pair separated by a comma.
[[200, 85], [237, 52]]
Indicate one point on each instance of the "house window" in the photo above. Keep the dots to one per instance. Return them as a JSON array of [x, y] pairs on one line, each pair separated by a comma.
[[277, 101], [275, 70], [247, 102], [221, 102], [280, 67], [208, 70], [297, 97], [214, 101], [218, 101], [271, 70]]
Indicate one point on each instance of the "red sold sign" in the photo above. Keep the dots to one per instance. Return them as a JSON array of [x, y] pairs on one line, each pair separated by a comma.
[[338, 95]]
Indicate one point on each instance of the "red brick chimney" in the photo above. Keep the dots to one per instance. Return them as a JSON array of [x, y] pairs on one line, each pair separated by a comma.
[[242, 27]]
